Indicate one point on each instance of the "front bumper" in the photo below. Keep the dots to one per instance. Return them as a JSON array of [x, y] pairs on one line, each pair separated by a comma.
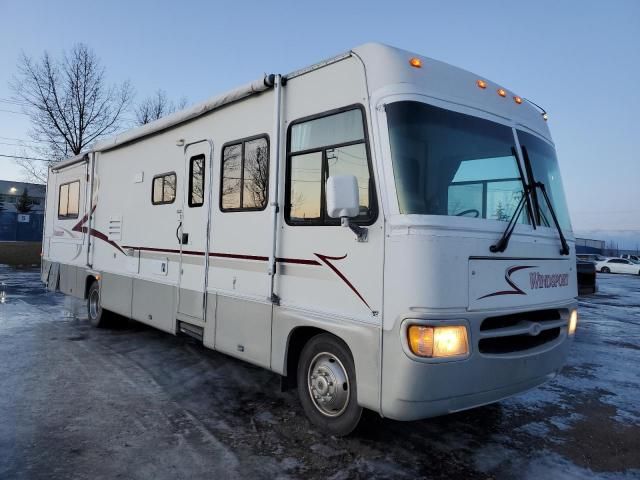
[[420, 388]]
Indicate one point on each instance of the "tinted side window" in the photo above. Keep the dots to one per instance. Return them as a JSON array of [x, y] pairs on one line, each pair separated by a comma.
[[163, 188], [69, 200], [245, 175], [196, 181], [334, 144]]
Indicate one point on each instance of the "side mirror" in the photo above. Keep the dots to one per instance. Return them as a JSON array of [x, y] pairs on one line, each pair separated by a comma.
[[343, 199], [343, 202]]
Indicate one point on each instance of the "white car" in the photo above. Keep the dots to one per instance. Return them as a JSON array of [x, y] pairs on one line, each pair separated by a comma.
[[618, 265]]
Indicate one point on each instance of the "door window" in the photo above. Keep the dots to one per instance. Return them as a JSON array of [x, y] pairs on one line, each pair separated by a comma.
[[196, 181], [332, 144]]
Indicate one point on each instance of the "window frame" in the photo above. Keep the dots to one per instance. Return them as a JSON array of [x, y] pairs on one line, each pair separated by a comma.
[[241, 142], [68, 217], [325, 220], [202, 157], [153, 184]]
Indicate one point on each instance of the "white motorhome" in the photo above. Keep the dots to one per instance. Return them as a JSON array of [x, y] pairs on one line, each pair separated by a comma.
[[383, 230]]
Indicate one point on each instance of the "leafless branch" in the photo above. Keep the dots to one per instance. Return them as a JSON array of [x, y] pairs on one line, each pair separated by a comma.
[[69, 103], [157, 106]]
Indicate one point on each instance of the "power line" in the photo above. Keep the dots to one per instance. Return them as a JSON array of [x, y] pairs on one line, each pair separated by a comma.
[[13, 102], [22, 140], [24, 158], [12, 111], [16, 144]]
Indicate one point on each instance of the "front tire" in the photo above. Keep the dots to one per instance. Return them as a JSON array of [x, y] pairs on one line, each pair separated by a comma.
[[98, 317], [327, 385], [605, 270]]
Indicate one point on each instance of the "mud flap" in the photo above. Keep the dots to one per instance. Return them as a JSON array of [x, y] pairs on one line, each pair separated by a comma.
[[53, 279]]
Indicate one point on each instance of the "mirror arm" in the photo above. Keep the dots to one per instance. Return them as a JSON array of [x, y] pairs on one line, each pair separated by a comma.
[[362, 234]]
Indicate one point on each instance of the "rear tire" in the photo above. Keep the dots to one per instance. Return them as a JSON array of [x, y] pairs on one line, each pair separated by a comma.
[[98, 317], [327, 385], [605, 270]]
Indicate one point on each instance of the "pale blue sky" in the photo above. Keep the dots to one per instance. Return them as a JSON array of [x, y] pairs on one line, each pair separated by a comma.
[[579, 59]]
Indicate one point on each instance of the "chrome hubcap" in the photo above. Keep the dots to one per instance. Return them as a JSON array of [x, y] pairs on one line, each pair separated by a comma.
[[328, 384], [94, 302]]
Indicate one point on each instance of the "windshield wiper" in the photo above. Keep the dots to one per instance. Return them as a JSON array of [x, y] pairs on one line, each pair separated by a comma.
[[502, 244], [565, 246]]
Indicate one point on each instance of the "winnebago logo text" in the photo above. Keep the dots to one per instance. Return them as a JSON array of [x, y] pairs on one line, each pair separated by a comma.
[[553, 280], [537, 280]]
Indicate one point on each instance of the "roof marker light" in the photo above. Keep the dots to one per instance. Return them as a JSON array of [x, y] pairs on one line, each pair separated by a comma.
[[545, 116], [415, 62], [502, 92], [481, 84], [517, 99]]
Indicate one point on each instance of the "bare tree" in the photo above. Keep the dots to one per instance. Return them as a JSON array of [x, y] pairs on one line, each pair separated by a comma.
[[157, 106], [69, 103]]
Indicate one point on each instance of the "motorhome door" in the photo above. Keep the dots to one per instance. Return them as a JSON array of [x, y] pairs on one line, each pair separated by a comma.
[[193, 231]]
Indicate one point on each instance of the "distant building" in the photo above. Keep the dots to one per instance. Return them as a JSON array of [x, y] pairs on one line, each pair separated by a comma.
[[586, 245], [10, 192]]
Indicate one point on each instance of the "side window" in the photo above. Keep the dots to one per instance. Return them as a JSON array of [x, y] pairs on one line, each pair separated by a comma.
[[69, 200], [245, 175], [333, 144], [163, 188], [196, 181]]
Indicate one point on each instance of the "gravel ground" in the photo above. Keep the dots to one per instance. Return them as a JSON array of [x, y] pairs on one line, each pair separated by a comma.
[[133, 402]]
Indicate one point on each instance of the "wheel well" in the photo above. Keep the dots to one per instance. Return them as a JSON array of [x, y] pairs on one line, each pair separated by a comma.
[[87, 285], [298, 338]]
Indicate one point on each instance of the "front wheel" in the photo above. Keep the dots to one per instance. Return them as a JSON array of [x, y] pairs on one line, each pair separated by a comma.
[[605, 270], [327, 385]]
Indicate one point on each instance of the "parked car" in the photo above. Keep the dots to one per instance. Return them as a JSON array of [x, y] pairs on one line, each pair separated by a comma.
[[618, 265], [590, 257], [586, 272], [633, 258]]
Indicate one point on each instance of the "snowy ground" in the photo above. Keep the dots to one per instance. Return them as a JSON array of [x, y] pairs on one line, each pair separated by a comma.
[[136, 403]]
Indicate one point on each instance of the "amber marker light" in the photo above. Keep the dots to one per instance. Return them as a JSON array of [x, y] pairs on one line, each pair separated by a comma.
[[438, 342], [573, 322], [481, 84], [415, 62], [517, 99], [502, 92]]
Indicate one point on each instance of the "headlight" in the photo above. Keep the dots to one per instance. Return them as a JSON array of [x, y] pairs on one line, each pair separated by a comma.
[[573, 321], [434, 342]]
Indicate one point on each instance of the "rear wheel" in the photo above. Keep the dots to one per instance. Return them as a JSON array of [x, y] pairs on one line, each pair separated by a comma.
[[605, 270], [97, 316], [327, 385]]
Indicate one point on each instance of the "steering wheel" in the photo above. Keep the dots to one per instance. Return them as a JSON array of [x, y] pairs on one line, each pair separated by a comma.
[[475, 213]]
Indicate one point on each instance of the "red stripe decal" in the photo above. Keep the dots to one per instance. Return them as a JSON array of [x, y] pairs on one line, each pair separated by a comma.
[[325, 259], [298, 261], [238, 256], [79, 227]]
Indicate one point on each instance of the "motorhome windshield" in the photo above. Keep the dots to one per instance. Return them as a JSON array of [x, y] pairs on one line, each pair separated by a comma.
[[448, 163], [544, 165]]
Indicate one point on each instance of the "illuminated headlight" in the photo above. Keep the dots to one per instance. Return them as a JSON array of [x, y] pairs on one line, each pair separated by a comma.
[[573, 321], [437, 342]]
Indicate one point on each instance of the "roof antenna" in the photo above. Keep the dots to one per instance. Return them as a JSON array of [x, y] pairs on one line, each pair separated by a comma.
[[543, 112]]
